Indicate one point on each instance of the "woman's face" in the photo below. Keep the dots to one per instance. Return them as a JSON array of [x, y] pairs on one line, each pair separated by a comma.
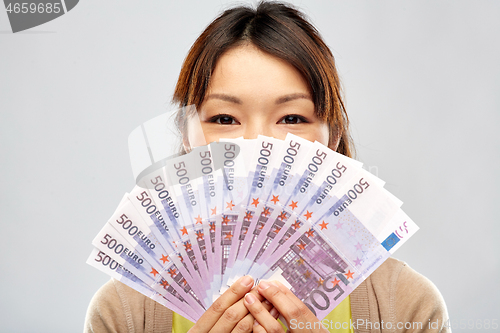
[[252, 93]]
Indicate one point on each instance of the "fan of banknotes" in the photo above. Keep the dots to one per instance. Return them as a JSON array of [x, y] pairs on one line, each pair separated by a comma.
[[288, 210]]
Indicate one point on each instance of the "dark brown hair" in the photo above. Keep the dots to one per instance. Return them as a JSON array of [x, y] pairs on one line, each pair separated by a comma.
[[281, 31]]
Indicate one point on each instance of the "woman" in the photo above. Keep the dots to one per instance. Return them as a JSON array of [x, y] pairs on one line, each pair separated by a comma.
[[267, 71]]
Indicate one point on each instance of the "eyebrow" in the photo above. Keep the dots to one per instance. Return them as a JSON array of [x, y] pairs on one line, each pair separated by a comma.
[[291, 97], [279, 100], [224, 97]]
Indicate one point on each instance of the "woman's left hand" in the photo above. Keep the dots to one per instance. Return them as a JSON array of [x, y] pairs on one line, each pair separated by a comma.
[[297, 315]]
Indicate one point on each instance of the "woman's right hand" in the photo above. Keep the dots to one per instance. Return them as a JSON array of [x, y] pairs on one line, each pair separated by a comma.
[[228, 313], [298, 316]]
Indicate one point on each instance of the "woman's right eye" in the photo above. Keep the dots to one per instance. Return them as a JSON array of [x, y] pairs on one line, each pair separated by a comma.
[[223, 119]]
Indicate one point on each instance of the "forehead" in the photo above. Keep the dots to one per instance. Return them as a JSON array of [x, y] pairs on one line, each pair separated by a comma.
[[246, 68]]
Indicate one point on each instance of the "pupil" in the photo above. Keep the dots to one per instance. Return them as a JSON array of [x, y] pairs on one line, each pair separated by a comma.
[[291, 120], [226, 120]]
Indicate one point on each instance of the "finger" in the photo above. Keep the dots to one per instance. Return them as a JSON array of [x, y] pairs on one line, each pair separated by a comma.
[[234, 315], [286, 291], [294, 299], [245, 325], [248, 323], [285, 302], [305, 314], [266, 320], [268, 305], [259, 328], [223, 303]]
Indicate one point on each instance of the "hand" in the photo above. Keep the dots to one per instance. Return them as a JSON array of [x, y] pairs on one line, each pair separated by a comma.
[[297, 315], [228, 313]]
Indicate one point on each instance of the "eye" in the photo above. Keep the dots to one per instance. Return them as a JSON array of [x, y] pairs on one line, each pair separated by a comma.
[[223, 119], [292, 119]]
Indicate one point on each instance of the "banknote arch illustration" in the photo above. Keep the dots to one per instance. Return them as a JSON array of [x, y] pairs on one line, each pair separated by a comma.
[[24, 15]]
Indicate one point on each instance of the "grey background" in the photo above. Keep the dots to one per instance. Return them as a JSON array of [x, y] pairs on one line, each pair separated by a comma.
[[422, 83]]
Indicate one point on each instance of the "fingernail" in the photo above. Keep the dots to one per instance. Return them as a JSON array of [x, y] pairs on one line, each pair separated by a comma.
[[247, 281], [255, 323], [274, 312], [264, 285], [250, 299], [266, 302]]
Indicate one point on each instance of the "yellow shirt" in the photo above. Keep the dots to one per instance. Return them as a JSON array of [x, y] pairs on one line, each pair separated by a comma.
[[336, 321]]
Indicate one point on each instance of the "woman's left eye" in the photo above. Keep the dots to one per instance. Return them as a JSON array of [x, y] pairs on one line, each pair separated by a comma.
[[225, 120], [292, 119]]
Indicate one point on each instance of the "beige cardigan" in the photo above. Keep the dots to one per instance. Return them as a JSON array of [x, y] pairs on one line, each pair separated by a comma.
[[393, 296]]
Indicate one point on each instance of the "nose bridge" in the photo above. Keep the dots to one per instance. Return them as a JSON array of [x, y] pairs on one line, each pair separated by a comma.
[[257, 126]]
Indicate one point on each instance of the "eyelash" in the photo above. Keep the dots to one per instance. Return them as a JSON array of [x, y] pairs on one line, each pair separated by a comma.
[[217, 119], [299, 118]]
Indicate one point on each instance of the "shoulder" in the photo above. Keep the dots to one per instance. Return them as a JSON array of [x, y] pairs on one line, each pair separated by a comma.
[[398, 282], [115, 308], [403, 295]]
